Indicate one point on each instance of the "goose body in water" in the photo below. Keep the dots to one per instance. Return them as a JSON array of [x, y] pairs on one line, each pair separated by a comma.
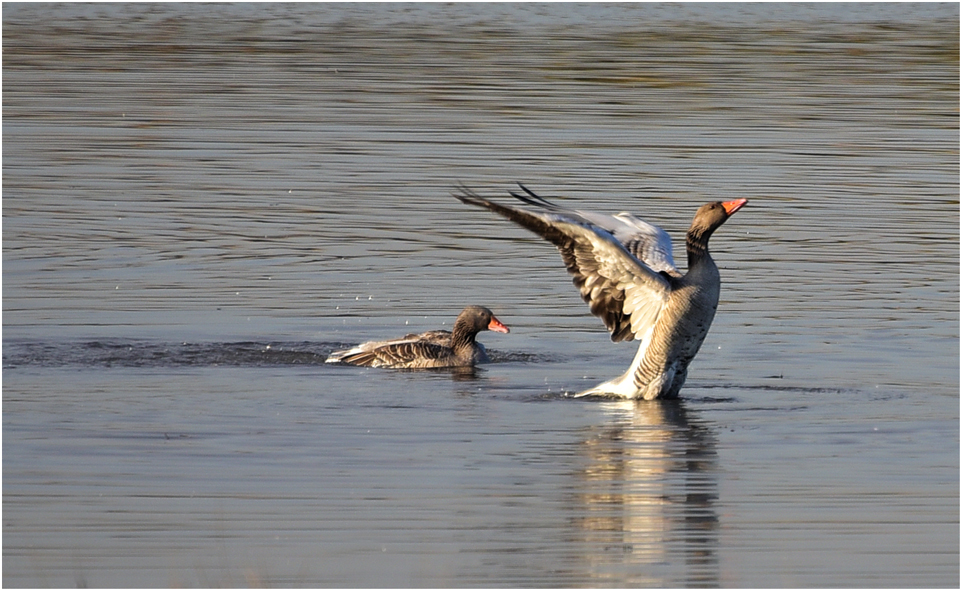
[[625, 272], [431, 350]]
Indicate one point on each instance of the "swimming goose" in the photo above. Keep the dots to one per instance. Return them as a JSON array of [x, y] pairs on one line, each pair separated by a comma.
[[624, 270], [430, 350]]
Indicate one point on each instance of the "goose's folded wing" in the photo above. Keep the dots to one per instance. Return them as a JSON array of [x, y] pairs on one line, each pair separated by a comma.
[[390, 353], [439, 337], [623, 291]]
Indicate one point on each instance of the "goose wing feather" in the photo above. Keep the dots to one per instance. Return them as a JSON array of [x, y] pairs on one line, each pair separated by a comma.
[[395, 352], [647, 242], [621, 289]]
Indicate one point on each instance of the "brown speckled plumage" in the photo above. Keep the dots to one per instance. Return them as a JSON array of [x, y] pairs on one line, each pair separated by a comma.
[[624, 270], [430, 350]]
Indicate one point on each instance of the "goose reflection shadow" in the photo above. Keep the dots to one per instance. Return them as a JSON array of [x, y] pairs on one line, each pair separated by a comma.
[[646, 497]]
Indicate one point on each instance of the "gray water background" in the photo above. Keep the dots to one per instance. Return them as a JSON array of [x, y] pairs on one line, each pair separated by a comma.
[[202, 201]]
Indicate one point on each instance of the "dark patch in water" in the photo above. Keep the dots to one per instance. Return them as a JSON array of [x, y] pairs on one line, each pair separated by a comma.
[[521, 357], [713, 400], [780, 388], [124, 353], [117, 353]]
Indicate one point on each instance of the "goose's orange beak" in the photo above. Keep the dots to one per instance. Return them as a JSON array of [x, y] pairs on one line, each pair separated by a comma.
[[497, 326], [731, 207]]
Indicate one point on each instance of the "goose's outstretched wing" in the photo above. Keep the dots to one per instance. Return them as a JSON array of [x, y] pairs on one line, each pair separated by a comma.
[[626, 292], [647, 242]]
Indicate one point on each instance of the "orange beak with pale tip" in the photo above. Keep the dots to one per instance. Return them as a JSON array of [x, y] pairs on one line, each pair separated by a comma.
[[497, 326], [730, 207]]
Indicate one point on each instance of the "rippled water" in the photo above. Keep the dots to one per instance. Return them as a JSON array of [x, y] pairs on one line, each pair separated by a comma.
[[201, 202]]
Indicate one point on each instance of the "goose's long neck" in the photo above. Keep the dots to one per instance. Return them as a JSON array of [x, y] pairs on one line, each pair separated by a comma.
[[697, 238], [462, 335]]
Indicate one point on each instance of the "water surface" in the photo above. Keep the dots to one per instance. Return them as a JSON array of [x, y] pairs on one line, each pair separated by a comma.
[[201, 202]]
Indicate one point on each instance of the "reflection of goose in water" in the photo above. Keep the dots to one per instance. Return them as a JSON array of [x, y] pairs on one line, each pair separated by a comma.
[[646, 498], [624, 270]]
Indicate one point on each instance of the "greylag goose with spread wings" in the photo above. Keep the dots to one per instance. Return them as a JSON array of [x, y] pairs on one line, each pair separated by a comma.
[[625, 272], [431, 350]]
